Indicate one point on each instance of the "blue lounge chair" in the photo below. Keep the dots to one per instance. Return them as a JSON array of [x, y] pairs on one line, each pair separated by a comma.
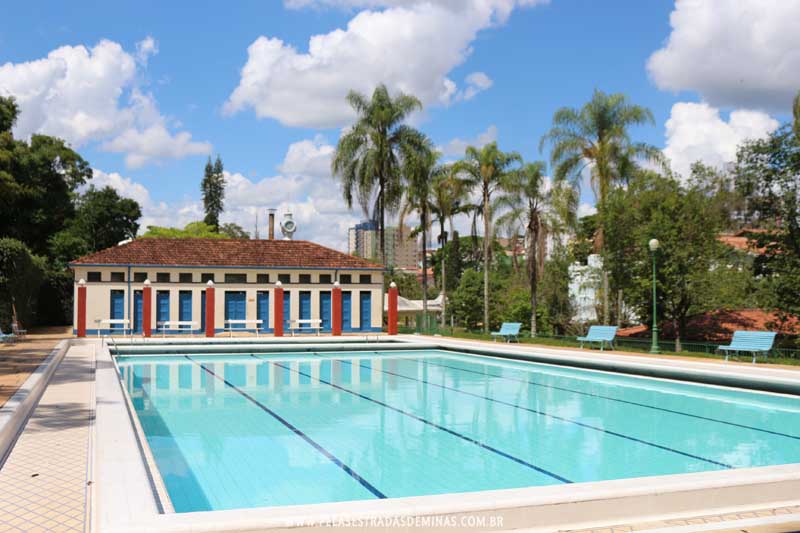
[[755, 342], [7, 337], [508, 331], [600, 334]]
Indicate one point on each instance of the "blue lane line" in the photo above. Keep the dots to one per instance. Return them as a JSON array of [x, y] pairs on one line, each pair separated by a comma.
[[593, 395], [352, 473], [432, 424], [562, 419]]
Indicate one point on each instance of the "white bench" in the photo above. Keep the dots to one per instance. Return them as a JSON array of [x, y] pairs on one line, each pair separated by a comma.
[[231, 323], [176, 324], [124, 322], [303, 324]]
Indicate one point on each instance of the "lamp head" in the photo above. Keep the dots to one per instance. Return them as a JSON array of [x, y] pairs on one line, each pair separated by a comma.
[[654, 245]]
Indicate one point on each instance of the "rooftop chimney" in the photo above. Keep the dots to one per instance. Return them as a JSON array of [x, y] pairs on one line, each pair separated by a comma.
[[271, 224]]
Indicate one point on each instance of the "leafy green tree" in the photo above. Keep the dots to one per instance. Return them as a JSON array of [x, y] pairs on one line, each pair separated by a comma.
[[38, 183], [486, 169], [539, 207], [9, 111], [467, 300], [104, 218], [556, 309], [686, 223], [367, 160], [192, 230], [213, 190], [597, 137], [233, 231], [768, 175], [21, 275]]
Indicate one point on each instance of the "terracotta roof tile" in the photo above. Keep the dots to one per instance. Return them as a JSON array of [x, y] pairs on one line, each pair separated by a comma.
[[225, 253]]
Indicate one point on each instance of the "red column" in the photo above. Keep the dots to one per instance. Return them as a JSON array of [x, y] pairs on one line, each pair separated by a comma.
[[392, 309], [81, 308], [147, 310], [336, 310], [210, 323], [278, 310]]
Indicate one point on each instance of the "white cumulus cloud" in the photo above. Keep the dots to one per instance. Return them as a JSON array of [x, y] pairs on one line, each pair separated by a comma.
[[734, 53], [697, 132], [410, 46], [456, 147], [88, 95], [308, 157], [304, 188]]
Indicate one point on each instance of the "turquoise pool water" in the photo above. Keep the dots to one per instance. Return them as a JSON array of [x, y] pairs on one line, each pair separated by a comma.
[[264, 430]]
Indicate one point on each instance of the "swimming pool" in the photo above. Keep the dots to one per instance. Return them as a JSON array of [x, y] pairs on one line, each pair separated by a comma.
[[230, 432]]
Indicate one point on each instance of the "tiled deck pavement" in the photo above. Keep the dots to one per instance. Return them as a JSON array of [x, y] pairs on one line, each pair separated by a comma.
[[18, 360], [44, 481], [726, 522]]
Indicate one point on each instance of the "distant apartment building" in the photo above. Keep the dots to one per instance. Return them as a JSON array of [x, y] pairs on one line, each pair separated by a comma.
[[401, 251]]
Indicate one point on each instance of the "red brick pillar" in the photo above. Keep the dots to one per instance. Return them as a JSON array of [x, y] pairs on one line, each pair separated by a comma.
[[81, 308], [278, 310], [392, 309], [336, 309], [147, 309], [210, 322]]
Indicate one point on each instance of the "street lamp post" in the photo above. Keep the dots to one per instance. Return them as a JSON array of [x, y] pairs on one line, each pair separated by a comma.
[[654, 244]]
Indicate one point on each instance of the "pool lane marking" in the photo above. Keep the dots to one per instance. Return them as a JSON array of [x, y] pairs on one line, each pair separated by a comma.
[[638, 404], [561, 418], [432, 424], [352, 473]]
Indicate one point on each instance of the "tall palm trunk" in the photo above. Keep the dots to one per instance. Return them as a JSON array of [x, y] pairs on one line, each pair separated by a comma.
[[444, 270], [486, 242], [381, 222], [424, 266], [533, 266]]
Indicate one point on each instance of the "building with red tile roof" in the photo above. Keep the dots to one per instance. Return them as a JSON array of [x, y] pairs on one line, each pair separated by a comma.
[[244, 273]]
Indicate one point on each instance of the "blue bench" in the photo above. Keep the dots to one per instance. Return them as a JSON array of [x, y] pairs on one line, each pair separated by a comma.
[[754, 342], [600, 334], [7, 337], [508, 331]]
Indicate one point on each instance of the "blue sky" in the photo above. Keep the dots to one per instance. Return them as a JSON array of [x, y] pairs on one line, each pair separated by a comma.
[[146, 90]]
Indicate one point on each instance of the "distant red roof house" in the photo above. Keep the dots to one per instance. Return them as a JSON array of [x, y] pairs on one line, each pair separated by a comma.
[[741, 240], [225, 253], [717, 326]]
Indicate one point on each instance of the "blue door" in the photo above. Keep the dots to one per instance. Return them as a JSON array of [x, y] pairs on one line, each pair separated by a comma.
[[138, 311], [235, 307], [287, 298], [202, 310], [262, 309], [162, 307], [365, 309], [347, 307], [325, 309], [117, 307], [305, 306], [185, 307]]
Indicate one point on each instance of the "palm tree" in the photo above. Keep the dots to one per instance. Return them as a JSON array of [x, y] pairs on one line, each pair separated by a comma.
[[796, 113], [486, 168], [542, 209], [368, 157], [448, 193], [420, 169], [596, 137]]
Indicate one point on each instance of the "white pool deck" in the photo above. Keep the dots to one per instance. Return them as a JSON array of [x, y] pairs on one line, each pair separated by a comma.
[[78, 466]]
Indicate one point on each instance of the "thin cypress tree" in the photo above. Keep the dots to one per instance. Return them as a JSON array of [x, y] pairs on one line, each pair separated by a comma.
[[213, 189]]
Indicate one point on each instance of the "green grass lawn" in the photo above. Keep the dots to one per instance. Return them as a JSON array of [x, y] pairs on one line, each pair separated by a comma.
[[644, 348]]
